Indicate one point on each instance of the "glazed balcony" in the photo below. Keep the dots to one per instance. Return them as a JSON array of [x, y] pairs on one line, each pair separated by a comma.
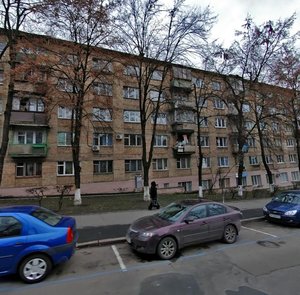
[[28, 150], [182, 84]]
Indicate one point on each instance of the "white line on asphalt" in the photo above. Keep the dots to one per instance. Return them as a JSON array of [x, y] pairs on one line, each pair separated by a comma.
[[259, 231], [119, 258]]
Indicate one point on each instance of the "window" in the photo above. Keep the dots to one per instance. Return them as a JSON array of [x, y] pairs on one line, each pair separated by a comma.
[[204, 141], [130, 92], [103, 166], [102, 115], [64, 113], [206, 184], [280, 159], [222, 142], [290, 142], [220, 122], [253, 160], [133, 165], [219, 104], [103, 139], [9, 227], [1, 76], [65, 168], [277, 142], [154, 95], [64, 138], [64, 84], [24, 169], [202, 102], [206, 162], [249, 125], [246, 108], [157, 75], [132, 116], [161, 119], [293, 158], [182, 73], [223, 162], [28, 137], [275, 126], [295, 176], [256, 180], [216, 86], [198, 82], [224, 182], [160, 164], [203, 121], [216, 209], [184, 116], [198, 212], [32, 104], [102, 89], [132, 140], [183, 163], [283, 177], [102, 65], [187, 185], [161, 141], [269, 159], [251, 142], [132, 71]]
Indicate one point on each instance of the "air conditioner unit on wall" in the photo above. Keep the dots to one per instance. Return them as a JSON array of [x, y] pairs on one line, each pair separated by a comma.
[[95, 148], [119, 136]]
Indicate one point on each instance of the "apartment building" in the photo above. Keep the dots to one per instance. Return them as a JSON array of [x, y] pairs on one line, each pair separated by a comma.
[[40, 152]]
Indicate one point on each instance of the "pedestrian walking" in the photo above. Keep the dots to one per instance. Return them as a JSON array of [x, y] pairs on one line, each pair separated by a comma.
[[153, 196]]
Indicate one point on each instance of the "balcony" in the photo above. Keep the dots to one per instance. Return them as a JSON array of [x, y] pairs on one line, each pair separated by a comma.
[[183, 127], [183, 150], [182, 84], [27, 150], [28, 118]]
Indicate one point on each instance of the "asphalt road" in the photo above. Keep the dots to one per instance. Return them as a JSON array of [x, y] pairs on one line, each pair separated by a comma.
[[90, 233]]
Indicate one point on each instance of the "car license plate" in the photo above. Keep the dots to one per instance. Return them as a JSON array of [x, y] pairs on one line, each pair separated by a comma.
[[275, 216]]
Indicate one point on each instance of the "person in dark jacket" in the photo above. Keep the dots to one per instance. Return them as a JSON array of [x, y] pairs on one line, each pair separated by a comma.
[[153, 196]]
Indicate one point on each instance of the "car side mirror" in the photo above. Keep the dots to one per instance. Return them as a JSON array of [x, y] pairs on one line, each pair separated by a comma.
[[190, 219]]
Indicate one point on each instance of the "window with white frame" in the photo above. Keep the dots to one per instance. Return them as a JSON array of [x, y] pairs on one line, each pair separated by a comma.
[[184, 116], [292, 158], [160, 164], [275, 126], [161, 119], [223, 161], [244, 181], [256, 180], [206, 184], [157, 75], [269, 159], [295, 175], [246, 108], [220, 122], [132, 71], [206, 162], [267, 178], [203, 121], [277, 142], [280, 159], [253, 160], [198, 82], [65, 85], [251, 142], [102, 65], [102, 139], [187, 185], [133, 165], [32, 104], [64, 138], [161, 141], [102, 89], [65, 168], [290, 142], [249, 125], [103, 166], [222, 141], [183, 163], [283, 177], [132, 116], [224, 182], [28, 169], [215, 85], [132, 140], [204, 141], [219, 103], [102, 115], [29, 137], [154, 95], [202, 102], [64, 113], [130, 92]]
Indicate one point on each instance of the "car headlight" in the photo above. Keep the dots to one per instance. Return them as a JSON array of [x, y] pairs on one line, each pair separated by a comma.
[[146, 234], [290, 213], [265, 209]]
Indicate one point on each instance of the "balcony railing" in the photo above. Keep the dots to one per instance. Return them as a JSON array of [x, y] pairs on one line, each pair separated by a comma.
[[178, 127], [28, 118], [27, 150], [183, 84], [184, 149]]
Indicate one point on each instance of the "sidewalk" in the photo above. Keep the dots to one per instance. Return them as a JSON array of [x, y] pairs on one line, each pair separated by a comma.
[[127, 217]]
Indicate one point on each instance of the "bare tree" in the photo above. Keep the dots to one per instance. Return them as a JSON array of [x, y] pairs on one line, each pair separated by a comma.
[[153, 31]]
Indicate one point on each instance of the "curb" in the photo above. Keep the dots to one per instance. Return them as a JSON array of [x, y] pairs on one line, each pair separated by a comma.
[[106, 242]]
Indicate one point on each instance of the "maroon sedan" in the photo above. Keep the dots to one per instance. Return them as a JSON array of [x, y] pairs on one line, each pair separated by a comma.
[[182, 224]]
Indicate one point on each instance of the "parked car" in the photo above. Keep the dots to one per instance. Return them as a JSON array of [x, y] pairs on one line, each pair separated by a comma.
[[284, 207], [184, 223], [33, 240]]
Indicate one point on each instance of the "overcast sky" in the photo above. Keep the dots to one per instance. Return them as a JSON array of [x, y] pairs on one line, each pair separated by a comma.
[[232, 13]]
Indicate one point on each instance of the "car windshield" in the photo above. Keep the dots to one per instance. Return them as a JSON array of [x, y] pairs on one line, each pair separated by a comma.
[[46, 216], [172, 212], [291, 198]]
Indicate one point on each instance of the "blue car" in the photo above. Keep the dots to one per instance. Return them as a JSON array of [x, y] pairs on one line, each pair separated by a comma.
[[33, 240], [284, 208]]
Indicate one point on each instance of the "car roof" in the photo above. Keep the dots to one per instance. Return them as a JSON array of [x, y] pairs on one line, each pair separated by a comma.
[[192, 202], [28, 209]]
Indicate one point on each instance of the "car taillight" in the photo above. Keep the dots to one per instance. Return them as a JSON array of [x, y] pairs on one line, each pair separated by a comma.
[[70, 235]]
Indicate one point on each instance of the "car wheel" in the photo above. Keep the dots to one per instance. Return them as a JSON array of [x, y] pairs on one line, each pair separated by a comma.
[[230, 234], [35, 268], [167, 248]]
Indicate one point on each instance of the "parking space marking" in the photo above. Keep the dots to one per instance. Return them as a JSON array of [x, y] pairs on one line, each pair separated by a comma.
[[119, 258], [259, 231]]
